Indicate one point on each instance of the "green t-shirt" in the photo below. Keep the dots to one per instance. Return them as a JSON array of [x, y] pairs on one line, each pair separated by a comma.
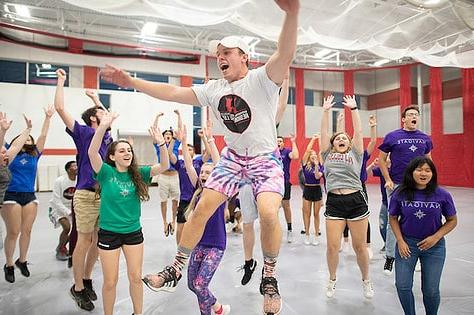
[[119, 205]]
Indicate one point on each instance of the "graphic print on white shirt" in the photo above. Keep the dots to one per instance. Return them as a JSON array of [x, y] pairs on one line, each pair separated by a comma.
[[235, 113]]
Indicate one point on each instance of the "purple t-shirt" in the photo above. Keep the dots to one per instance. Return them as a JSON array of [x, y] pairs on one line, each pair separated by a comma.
[[82, 136], [309, 175], [378, 173], [214, 233], [403, 146], [285, 158], [363, 170], [421, 217], [185, 186]]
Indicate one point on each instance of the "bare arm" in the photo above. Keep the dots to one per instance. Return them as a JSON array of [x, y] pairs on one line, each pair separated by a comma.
[[278, 64], [373, 134], [59, 100], [384, 169], [213, 151], [340, 127], [157, 137], [206, 155], [282, 100], [357, 138], [162, 91], [188, 162], [403, 248], [328, 103], [17, 145], [431, 240], [93, 152], [48, 112], [4, 126], [371, 166], [309, 147], [95, 99], [294, 154]]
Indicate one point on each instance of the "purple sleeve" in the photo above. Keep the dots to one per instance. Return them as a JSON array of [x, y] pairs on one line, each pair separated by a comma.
[[394, 208], [429, 145], [386, 145], [179, 164], [448, 206], [376, 172]]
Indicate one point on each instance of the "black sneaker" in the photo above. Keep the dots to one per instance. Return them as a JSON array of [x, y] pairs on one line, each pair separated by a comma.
[[248, 268], [23, 267], [271, 296], [388, 267], [82, 299], [168, 281], [89, 289], [9, 273]]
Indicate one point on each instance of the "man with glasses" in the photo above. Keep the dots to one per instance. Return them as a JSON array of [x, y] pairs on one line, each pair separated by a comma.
[[403, 145]]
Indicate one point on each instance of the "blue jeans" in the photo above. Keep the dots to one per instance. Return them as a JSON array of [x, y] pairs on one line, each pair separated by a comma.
[[390, 239], [383, 221], [432, 262]]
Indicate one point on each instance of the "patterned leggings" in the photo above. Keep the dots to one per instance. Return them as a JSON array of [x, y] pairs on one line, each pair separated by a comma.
[[203, 264]]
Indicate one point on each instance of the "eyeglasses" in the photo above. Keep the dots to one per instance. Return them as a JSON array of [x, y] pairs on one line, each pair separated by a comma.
[[412, 115]]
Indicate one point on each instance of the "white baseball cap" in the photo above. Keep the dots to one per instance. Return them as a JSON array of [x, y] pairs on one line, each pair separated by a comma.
[[229, 42]]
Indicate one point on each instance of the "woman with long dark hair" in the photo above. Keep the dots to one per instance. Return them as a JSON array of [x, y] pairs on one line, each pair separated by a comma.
[[20, 204], [416, 210], [123, 186]]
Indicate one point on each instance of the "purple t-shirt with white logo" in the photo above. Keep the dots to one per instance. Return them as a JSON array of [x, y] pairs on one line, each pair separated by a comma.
[[185, 186], [403, 146], [309, 175], [363, 170], [82, 136], [285, 158], [421, 217]]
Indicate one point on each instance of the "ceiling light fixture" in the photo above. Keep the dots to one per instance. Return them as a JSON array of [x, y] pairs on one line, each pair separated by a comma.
[[149, 28], [381, 62], [22, 10]]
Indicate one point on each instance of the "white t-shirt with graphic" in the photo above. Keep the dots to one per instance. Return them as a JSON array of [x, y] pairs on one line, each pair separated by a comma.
[[246, 109]]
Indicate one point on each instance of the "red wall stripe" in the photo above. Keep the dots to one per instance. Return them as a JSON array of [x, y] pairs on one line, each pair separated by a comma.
[[348, 90], [405, 87], [300, 124], [59, 152]]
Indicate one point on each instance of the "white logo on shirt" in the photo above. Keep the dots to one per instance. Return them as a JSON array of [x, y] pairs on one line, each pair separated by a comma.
[[419, 214], [413, 148], [23, 161], [124, 192]]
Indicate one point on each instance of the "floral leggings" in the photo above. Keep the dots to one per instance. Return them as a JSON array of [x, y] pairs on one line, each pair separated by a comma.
[[203, 264]]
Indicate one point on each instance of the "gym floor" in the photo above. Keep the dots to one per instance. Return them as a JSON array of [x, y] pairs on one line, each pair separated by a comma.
[[302, 271]]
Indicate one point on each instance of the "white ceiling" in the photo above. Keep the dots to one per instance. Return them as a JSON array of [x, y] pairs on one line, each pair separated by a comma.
[[357, 32]]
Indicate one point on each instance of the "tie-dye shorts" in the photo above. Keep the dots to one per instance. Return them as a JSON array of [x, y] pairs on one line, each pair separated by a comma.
[[264, 172]]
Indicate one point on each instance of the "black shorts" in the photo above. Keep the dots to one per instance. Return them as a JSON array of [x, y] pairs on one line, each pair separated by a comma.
[[182, 207], [111, 240], [312, 193], [347, 207], [287, 194], [21, 198]]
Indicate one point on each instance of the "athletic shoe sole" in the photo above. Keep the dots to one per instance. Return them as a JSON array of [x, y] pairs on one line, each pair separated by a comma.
[[277, 313], [164, 289]]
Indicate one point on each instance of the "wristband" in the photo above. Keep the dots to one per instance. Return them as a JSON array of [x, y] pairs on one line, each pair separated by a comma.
[[211, 140], [162, 144], [354, 108]]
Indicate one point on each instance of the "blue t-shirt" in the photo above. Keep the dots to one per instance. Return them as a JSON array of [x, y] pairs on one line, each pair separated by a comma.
[[23, 169], [176, 145], [421, 217]]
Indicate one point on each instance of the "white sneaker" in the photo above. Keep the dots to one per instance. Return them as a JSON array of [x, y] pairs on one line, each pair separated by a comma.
[[315, 241], [289, 236], [368, 290], [371, 253], [307, 240], [225, 309], [418, 266], [331, 288]]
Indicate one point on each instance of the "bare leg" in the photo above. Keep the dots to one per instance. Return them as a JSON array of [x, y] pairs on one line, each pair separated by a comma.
[[134, 258], [11, 214], [109, 260], [334, 229], [359, 244], [249, 240]]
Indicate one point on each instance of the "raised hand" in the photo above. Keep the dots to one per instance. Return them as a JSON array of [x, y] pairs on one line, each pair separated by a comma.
[[28, 122], [349, 101], [328, 102], [372, 121], [116, 76], [340, 116], [61, 76], [107, 119], [292, 137], [49, 111], [289, 6], [315, 136], [200, 133], [157, 118], [91, 94], [181, 134], [4, 123], [156, 135]]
